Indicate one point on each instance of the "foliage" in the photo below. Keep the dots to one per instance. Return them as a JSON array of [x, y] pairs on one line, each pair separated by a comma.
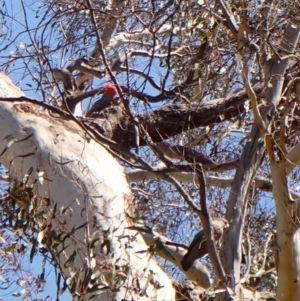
[[184, 71]]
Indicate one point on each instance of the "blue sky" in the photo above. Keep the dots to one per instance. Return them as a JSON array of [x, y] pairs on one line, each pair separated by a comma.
[[16, 74], [16, 26]]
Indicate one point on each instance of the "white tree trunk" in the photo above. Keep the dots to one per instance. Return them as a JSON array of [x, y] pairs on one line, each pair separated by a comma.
[[78, 173]]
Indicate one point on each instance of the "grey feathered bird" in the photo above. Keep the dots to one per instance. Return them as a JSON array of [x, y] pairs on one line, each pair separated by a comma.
[[198, 247], [104, 101]]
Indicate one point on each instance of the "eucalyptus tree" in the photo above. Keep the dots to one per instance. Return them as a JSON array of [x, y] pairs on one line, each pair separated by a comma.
[[201, 126]]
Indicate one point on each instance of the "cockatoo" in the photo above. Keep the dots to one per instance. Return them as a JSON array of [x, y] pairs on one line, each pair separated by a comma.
[[106, 99]]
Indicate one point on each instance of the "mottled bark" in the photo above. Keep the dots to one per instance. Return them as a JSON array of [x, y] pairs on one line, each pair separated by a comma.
[[251, 157], [170, 120]]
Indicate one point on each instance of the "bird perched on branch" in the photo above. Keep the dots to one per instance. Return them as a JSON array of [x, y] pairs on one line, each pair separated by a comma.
[[198, 247], [106, 99]]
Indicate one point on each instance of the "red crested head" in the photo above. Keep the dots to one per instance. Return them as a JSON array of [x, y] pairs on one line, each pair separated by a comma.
[[109, 89]]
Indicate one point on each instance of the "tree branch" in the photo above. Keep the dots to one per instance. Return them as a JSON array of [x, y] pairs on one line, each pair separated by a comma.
[[170, 120]]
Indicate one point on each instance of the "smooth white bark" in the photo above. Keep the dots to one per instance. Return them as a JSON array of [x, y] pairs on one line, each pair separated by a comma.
[[81, 175], [189, 177]]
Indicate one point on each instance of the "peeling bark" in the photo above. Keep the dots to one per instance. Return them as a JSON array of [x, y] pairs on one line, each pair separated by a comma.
[[180, 117], [252, 154]]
